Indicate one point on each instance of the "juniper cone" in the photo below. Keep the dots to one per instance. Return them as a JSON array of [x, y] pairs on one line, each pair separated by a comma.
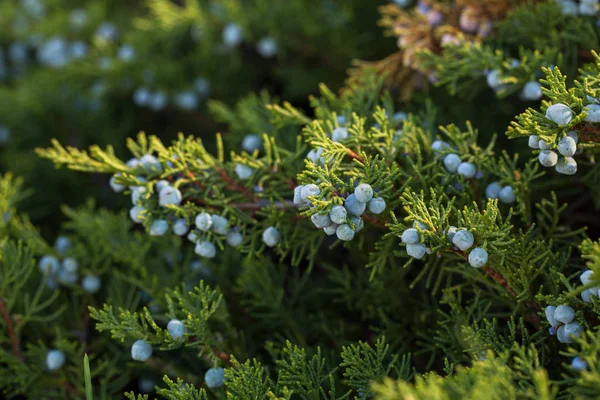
[[249, 196]]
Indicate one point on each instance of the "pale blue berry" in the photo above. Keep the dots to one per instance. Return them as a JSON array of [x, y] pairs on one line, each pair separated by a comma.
[[214, 377], [232, 35], [593, 113], [62, 244], [219, 224], [466, 170], [420, 225], [411, 236], [586, 277], [140, 350], [478, 257], [338, 214], [137, 214], [559, 113], [532, 91], [561, 336], [187, 100], [160, 185], [55, 359], [451, 162], [243, 171], [578, 364], [416, 250], [543, 145], [159, 227], [363, 193], [309, 190], [492, 191], [251, 142], [566, 166], [344, 232], [116, 187], [358, 223], [176, 329], [126, 53], [158, 101], [142, 97], [567, 146], [573, 135], [234, 238], [376, 205], [549, 311], [572, 330], [321, 221], [107, 31], [267, 47], [202, 86], [270, 236], [451, 232], [192, 237], [151, 163], [493, 79], [330, 229], [564, 314], [353, 206], [298, 195], [137, 193], [507, 195], [548, 158], [463, 239], [146, 385], [206, 249], [91, 284], [534, 141], [70, 264], [339, 134], [180, 227], [204, 221], [314, 155], [587, 294], [49, 265], [399, 116], [67, 277], [439, 145], [78, 18]]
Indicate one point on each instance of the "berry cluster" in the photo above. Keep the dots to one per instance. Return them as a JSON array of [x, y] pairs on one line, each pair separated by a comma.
[[66, 272], [585, 7], [505, 194], [452, 161], [531, 91], [587, 294], [561, 323], [214, 377], [342, 220], [567, 146]]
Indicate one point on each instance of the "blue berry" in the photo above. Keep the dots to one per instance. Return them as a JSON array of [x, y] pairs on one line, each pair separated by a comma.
[[202, 86], [206, 249], [463, 239], [267, 47], [234, 238], [344, 232], [169, 195], [232, 35], [146, 385], [219, 224], [49, 265], [176, 329], [416, 250], [140, 350], [338, 215], [572, 330], [593, 113], [548, 158], [586, 277], [493, 190], [451, 232], [549, 311], [70, 264], [142, 97], [204, 221], [564, 314], [532, 91], [243, 171], [136, 194], [567, 146], [358, 223], [363, 193], [573, 135], [376, 205], [160, 185], [587, 294], [315, 156], [339, 134], [543, 145], [451, 162], [270, 236], [534, 141], [251, 142], [214, 377], [158, 101], [91, 284], [578, 364], [187, 100], [330, 229], [192, 237], [309, 190], [116, 187], [180, 227], [353, 206], [151, 163], [552, 331], [566, 166], [55, 359], [159, 227], [559, 113], [62, 244], [298, 195], [411, 236], [507, 195], [439, 145], [478, 257], [467, 170], [321, 221], [67, 277]]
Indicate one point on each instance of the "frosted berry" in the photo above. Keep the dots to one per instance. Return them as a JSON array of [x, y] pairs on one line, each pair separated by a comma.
[[66, 277], [140, 350], [339, 134], [159, 227], [142, 96], [492, 191], [310, 190], [573, 135], [376, 205], [321, 221], [532, 91], [270, 236], [358, 223], [234, 238], [136, 214], [466, 170], [593, 113], [578, 364], [463, 239], [116, 187], [70, 264], [416, 250], [169, 195], [243, 171], [187, 100], [478, 257], [564, 314], [507, 195], [543, 145], [158, 101], [344, 232], [549, 311], [176, 329], [206, 249], [232, 35], [49, 265], [548, 158], [451, 232], [439, 145], [587, 294], [567, 146], [180, 227], [160, 185], [55, 359], [219, 224], [62, 244], [451, 162], [559, 113], [573, 330], [267, 47], [586, 277], [534, 141], [493, 79], [331, 229], [214, 377], [192, 237], [566, 166], [298, 195], [338, 214], [136, 194], [314, 155], [91, 284], [561, 335], [204, 221], [151, 163], [411, 236], [363, 193], [353, 206], [251, 142]]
